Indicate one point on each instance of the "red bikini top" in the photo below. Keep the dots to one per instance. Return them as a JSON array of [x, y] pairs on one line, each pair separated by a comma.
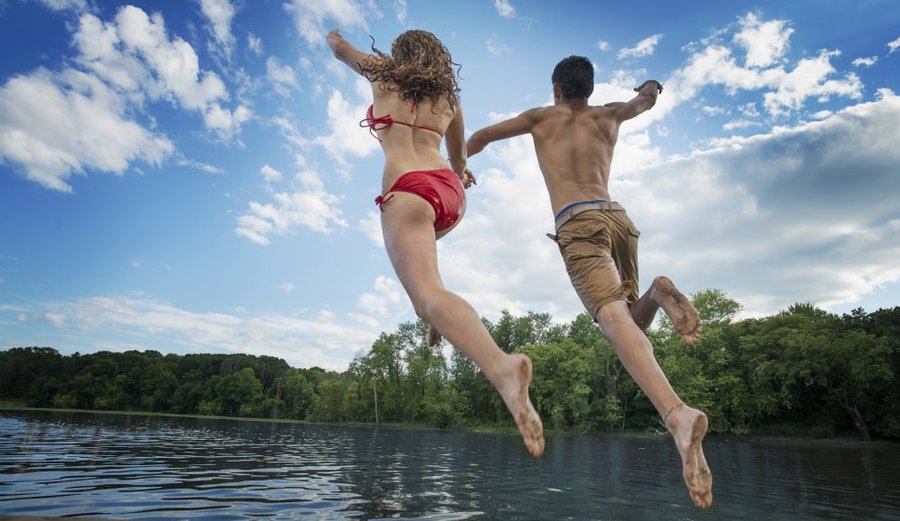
[[382, 122]]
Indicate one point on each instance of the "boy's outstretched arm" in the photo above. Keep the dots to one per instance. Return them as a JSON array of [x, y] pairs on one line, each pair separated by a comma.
[[647, 93], [512, 127]]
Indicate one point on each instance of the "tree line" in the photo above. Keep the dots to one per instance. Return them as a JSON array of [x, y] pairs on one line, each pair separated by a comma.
[[803, 371]]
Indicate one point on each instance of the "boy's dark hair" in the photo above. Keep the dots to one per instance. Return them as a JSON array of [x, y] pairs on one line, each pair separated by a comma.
[[575, 76]]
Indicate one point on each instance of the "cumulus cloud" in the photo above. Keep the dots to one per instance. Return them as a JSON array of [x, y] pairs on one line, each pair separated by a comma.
[[303, 340], [344, 137], [270, 174], [643, 48], [54, 125], [772, 219], [219, 13], [505, 8], [400, 10], [497, 48], [784, 89], [254, 43], [84, 117], [308, 205], [764, 42], [603, 45], [310, 17], [386, 299], [134, 53], [892, 46], [370, 226], [508, 213], [281, 77], [61, 5], [865, 61]]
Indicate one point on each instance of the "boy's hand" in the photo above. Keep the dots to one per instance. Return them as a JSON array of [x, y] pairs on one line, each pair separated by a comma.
[[658, 86]]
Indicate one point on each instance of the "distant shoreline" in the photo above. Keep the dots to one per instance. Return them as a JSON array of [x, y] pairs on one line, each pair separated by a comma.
[[6, 406]]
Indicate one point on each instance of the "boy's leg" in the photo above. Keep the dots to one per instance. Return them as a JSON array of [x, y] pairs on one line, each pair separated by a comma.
[[663, 294], [687, 425]]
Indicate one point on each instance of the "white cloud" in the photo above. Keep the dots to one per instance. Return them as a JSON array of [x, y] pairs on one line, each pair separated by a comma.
[[254, 43], [56, 125], [281, 77], [504, 8], [219, 13], [764, 42], [174, 63], [738, 124], [784, 90], [711, 110], [60, 5], [370, 226], [892, 46], [749, 110], [344, 136], [865, 62], [310, 17], [643, 48], [287, 287], [794, 214], [270, 174], [56, 319], [134, 54], [387, 299], [203, 167], [303, 340], [603, 45], [225, 122], [508, 213], [400, 10], [808, 79], [495, 47], [309, 205]]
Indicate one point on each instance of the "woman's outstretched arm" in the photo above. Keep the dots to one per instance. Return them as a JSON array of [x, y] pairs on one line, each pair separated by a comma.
[[346, 52]]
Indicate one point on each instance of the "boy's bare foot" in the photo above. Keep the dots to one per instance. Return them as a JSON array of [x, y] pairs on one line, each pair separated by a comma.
[[679, 309], [514, 379], [688, 427]]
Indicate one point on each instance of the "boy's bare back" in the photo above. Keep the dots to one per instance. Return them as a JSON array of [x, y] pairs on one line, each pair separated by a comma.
[[574, 141], [574, 145]]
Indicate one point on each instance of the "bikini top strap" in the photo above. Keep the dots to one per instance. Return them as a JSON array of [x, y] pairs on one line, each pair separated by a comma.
[[372, 123]]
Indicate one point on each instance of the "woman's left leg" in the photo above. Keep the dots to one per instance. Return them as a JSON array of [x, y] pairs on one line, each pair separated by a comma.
[[411, 245]]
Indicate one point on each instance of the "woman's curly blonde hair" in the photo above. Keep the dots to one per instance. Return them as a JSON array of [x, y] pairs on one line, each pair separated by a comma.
[[419, 67]]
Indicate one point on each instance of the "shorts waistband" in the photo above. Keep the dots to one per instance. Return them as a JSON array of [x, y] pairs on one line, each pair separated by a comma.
[[573, 210]]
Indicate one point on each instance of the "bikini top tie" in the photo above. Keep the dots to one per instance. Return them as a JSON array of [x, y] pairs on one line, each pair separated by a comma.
[[382, 122]]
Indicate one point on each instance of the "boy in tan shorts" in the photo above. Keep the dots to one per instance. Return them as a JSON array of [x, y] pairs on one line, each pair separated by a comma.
[[574, 142]]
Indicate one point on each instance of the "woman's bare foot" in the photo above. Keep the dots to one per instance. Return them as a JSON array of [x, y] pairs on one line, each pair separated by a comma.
[[434, 338], [513, 380], [688, 426], [679, 309]]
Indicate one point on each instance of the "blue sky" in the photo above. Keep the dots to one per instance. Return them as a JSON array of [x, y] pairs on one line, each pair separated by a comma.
[[190, 177]]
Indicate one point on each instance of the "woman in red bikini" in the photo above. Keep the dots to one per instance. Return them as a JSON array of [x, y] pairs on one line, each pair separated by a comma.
[[415, 106]]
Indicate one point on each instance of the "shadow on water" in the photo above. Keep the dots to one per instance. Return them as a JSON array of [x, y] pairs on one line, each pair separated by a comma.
[[148, 467]]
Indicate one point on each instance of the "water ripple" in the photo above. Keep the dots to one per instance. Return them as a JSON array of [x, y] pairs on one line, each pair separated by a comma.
[[141, 467]]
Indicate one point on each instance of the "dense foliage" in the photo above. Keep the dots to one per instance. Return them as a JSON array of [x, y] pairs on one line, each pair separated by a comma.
[[802, 371]]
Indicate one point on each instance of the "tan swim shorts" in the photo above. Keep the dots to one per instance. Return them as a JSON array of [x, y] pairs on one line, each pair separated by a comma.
[[599, 247]]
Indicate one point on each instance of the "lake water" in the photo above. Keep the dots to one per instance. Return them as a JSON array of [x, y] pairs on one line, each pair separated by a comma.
[[144, 467]]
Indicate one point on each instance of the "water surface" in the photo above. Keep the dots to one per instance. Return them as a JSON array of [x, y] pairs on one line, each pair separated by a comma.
[[147, 467]]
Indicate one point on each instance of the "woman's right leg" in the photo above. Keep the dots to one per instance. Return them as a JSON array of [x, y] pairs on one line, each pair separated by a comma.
[[411, 245]]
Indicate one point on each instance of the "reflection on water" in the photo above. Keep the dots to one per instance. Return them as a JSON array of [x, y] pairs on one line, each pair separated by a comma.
[[141, 467]]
